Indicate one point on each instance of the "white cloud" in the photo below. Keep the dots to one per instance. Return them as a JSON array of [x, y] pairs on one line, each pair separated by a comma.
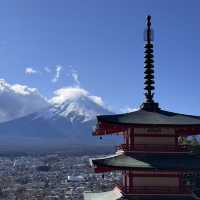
[[63, 94], [57, 74], [19, 100], [47, 69], [75, 77], [30, 71], [73, 93], [76, 101], [98, 100], [128, 109], [70, 71]]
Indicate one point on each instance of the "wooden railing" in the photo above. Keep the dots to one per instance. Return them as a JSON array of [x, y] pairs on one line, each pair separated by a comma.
[[156, 190], [153, 147]]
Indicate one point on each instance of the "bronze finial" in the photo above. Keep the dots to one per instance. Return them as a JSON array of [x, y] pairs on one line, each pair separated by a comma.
[[148, 63]]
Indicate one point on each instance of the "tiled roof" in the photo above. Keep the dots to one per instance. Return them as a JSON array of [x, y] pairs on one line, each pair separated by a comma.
[[179, 161]]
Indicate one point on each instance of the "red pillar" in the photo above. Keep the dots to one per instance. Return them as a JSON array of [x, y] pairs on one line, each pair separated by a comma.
[[176, 142], [126, 139], [131, 139], [130, 182], [125, 181]]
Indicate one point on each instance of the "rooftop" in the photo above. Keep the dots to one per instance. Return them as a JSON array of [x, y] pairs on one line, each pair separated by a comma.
[[157, 117], [116, 195], [154, 161]]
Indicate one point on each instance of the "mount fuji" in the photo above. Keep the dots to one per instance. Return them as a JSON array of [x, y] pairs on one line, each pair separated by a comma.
[[66, 121]]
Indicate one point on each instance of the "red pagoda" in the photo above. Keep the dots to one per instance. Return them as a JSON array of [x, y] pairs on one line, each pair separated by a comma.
[[153, 160]]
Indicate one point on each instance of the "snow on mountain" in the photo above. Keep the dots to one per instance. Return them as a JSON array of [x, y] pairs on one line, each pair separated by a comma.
[[68, 119], [74, 104], [19, 100]]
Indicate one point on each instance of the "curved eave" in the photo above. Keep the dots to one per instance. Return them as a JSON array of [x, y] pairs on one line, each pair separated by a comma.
[[105, 128], [183, 162], [148, 124], [108, 124]]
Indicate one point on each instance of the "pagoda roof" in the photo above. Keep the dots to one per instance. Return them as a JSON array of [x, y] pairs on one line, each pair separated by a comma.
[[150, 161], [116, 195], [146, 117]]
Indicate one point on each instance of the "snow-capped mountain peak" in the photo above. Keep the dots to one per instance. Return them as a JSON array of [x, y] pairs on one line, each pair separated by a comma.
[[19, 100], [74, 104], [81, 107], [68, 119]]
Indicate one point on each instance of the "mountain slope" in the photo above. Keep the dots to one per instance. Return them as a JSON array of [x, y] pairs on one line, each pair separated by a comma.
[[67, 121], [19, 100]]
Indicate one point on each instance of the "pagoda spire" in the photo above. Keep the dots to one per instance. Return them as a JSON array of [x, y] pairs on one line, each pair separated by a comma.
[[149, 103], [148, 63]]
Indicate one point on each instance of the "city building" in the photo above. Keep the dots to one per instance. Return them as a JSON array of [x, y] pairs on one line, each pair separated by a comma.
[[153, 160]]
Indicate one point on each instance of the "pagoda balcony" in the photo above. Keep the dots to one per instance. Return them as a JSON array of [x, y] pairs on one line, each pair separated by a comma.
[[154, 147], [156, 190]]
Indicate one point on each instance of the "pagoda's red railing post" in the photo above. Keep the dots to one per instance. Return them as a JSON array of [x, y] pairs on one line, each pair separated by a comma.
[[131, 181], [176, 141], [126, 138], [124, 179]]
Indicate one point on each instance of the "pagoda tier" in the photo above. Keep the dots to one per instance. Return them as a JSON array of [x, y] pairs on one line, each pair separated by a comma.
[[116, 194], [151, 174], [182, 124], [113, 195], [151, 162]]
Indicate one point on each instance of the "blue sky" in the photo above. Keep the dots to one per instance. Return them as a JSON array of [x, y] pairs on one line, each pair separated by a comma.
[[102, 41]]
